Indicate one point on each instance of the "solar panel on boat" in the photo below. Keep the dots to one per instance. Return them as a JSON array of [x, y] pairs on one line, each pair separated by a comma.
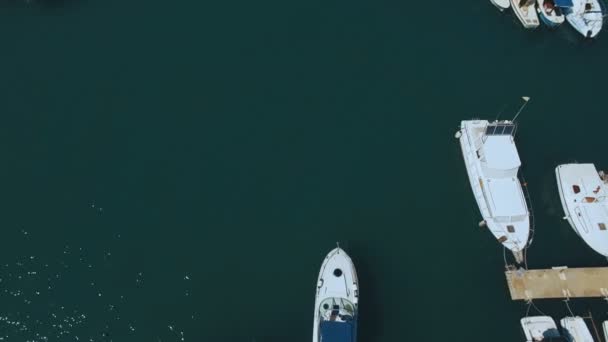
[[500, 129]]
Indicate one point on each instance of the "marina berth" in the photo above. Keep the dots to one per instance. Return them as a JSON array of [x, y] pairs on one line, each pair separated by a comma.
[[336, 300], [525, 12], [540, 328], [575, 329], [583, 191], [492, 164]]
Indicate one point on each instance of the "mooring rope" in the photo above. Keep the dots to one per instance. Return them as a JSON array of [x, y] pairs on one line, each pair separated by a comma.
[[568, 306], [537, 309], [532, 305]]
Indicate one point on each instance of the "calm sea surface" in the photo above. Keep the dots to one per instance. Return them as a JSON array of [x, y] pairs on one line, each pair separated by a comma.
[[178, 170]]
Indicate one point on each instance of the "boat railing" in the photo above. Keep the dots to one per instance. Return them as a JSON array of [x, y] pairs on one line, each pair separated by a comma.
[[528, 199]]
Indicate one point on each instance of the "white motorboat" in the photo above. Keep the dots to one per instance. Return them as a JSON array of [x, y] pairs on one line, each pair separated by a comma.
[[540, 328], [575, 329], [583, 192], [525, 12], [337, 298], [501, 4], [492, 164], [585, 16], [550, 11], [605, 329]]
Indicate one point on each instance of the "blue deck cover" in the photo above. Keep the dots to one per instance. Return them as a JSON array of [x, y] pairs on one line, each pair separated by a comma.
[[563, 3], [338, 331]]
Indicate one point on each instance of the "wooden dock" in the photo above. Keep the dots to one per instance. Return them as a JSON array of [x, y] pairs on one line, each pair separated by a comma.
[[558, 282]]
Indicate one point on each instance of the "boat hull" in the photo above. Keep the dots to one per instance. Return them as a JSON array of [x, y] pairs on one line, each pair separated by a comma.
[[585, 211], [502, 5], [586, 22], [537, 328], [550, 19], [526, 15], [337, 282], [576, 330], [515, 242]]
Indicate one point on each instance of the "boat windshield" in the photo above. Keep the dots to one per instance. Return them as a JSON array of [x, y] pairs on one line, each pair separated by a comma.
[[337, 309]]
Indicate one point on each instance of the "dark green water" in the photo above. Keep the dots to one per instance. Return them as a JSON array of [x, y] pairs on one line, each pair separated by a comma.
[[174, 167]]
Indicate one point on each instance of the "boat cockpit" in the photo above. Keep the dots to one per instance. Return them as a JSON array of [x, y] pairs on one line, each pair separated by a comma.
[[337, 309]]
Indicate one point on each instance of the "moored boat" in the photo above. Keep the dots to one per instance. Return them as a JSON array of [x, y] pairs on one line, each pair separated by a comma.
[[583, 190], [605, 329], [550, 11], [336, 300], [525, 12], [492, 164], [586, 17], [540, 328], [575, 329]]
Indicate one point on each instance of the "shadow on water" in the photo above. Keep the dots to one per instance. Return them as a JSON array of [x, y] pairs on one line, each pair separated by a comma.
[[370, 307], [52, 4], [44, 4]]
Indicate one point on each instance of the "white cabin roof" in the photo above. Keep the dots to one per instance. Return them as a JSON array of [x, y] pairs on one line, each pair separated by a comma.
[[500, 152], [505, 197]]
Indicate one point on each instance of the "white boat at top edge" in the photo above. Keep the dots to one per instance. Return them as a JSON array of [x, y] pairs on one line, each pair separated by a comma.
[[526, 13], [550, 11], [492, 164], [583, 194], [501, 4], [575, 329], [586, 17], [336, 301], [540, 328]]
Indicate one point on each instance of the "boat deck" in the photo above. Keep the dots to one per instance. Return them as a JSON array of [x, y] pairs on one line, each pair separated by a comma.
[[558, 282]]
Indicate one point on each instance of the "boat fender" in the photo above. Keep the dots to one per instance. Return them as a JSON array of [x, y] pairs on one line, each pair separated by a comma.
[[482, 223], [458, 135]]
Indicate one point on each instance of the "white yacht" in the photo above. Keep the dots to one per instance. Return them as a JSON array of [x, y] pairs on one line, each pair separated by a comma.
[[586, 17], [583, 194], [605, 329], [526, 13], [575, 329], [337, 298], [540, 328], [492, 163]]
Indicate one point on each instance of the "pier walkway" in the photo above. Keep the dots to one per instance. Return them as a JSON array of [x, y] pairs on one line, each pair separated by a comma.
[[558, 282]]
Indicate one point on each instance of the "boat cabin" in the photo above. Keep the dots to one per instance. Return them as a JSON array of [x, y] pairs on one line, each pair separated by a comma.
[[498, 154], [500, 164]]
